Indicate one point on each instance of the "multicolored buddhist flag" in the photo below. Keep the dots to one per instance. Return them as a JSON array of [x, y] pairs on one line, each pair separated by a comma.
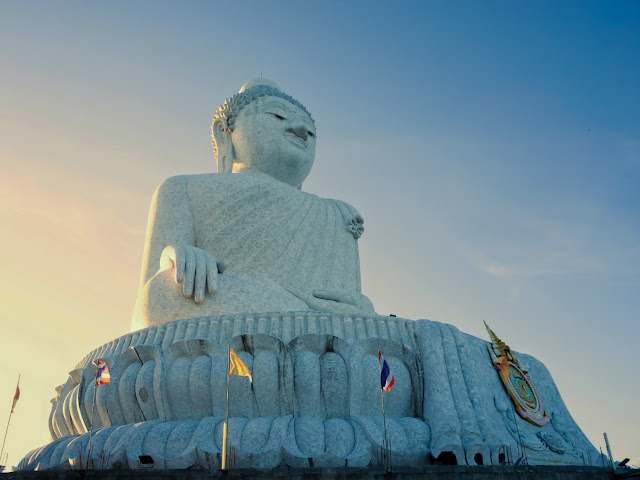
[[16, 397], [236, 367], [103, 375], [386, 379]]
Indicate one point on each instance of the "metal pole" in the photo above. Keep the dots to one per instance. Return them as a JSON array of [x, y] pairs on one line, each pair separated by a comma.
[[93, 406], [8, 422], [226, 423], [5, 435], [522, 445], [384, 423], [606, 440]]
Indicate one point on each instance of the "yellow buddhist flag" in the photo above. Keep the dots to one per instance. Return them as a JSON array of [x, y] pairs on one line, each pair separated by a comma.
[[236, 367]]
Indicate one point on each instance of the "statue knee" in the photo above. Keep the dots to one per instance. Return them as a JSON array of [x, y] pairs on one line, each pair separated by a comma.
[[161, 299]]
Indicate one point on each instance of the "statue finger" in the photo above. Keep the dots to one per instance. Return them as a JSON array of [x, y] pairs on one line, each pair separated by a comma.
[[212, 275], [189, 272], [200, 276], [178, 254]]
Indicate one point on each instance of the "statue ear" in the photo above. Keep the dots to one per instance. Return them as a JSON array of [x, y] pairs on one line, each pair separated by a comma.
[[222, 137]]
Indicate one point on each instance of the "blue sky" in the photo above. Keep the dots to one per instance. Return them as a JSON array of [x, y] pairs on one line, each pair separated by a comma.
[[493, 149]]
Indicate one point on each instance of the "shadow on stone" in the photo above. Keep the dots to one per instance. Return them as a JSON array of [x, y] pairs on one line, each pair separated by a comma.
[[449, 458]]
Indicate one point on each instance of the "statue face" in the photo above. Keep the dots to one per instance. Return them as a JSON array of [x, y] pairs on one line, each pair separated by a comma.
[[274, 137]]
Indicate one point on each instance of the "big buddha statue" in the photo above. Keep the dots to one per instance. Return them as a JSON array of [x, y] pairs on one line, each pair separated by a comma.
[[248, 239], [245, 258]]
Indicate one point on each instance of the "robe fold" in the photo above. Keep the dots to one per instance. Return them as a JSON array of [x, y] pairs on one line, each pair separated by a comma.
[[267, 233]]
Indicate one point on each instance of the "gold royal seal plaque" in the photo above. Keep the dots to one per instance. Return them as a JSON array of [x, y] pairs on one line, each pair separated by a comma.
[[523, 393]]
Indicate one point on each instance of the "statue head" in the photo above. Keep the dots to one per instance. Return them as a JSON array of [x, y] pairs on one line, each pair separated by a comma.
[[262, 129]]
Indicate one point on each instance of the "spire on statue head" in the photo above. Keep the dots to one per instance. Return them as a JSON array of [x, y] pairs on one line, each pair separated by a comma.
[[256, 82]]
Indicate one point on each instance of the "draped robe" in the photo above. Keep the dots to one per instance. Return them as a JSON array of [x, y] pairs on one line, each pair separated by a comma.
[[285, 250]]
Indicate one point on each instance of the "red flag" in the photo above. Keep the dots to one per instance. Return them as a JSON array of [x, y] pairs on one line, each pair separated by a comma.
[[16, 396]]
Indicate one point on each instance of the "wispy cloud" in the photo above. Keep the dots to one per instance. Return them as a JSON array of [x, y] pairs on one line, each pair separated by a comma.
[[508, 240], [545, 267]]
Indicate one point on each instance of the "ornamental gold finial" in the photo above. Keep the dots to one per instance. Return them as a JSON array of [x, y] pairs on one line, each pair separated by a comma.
[[500, 348]]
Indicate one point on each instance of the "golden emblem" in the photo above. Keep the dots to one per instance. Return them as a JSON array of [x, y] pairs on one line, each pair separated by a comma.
[[523, 393]]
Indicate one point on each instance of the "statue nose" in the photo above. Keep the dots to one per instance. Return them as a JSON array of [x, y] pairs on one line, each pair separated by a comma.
[[299, 131]]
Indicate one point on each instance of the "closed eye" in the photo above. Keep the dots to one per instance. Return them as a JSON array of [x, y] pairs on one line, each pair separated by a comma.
[[279, 117], [311, 134]]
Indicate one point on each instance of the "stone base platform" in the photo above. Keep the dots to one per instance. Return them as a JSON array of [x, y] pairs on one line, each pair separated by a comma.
[[433, 472], [315, 400]]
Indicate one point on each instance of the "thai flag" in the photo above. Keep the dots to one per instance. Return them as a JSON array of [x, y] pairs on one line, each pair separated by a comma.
[[103, 375], [386, 379]]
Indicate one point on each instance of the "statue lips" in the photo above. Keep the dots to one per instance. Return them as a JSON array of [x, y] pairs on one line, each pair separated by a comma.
[[296, 139]]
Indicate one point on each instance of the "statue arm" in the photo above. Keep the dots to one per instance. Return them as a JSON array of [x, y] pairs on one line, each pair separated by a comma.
[[170, 224], [171, 240]]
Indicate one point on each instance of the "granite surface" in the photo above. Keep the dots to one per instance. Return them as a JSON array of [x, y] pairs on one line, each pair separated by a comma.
[[315, 399]]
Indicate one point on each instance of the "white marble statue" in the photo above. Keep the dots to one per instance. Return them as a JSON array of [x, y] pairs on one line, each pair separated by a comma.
[[248, 239], [245, 258]]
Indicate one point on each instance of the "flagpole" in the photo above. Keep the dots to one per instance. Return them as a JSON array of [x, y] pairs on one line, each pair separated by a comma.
[[384, 417], [384, 423], [226, 423], [384, 420], [93, 406], [9, 421], [5, 435]]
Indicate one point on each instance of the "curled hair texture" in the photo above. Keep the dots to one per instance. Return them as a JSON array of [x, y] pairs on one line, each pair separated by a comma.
[[232, 106]]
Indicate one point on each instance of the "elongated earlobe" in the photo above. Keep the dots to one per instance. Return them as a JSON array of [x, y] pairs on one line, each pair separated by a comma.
[[224, 146]]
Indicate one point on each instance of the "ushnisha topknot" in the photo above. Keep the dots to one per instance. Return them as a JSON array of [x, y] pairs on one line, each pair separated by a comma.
[[251, 91]]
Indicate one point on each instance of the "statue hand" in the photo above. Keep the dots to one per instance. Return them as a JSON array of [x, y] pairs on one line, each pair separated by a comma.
[[361, 302], [194, 268]]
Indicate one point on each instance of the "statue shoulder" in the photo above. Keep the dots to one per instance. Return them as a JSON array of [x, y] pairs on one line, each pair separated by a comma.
[[181, 184], [352, 218], [348, 211]]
